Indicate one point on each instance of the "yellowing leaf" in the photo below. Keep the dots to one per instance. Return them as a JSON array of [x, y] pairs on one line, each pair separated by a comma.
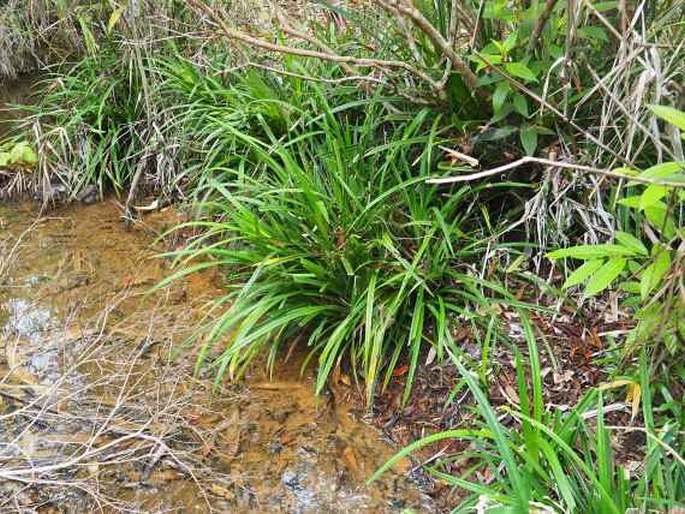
[[114, 17], [633, 393], [614, 384], [633, 396]]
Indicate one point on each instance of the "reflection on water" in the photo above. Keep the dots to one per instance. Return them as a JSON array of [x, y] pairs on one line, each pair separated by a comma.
[[95, 412], [23, 318]]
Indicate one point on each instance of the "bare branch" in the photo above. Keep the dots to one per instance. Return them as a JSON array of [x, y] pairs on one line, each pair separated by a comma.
[[302, 52], [555, 164], [470, 78]]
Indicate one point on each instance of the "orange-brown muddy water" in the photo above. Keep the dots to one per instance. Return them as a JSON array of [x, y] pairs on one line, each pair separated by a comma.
[[94, 416]]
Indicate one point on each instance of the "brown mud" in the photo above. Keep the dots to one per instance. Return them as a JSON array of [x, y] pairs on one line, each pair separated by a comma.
[[96, 417]]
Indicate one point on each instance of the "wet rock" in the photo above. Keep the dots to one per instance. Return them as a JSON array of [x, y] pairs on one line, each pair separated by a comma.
[[291, 480], [88, 195], [275, 447], [52, 193]]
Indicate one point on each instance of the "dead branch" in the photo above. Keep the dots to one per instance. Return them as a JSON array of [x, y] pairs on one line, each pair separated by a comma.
[[302, 52], [441, 43], [540, 25], [554, 164]]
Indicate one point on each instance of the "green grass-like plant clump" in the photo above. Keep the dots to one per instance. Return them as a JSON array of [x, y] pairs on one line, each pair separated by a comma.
[[540, 459], [331, 238]]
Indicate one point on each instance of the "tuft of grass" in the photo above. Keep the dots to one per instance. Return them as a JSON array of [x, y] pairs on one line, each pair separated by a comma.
[[329, 236], [543, 460]]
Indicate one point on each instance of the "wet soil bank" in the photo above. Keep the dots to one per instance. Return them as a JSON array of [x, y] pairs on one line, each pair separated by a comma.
[[95, 416]]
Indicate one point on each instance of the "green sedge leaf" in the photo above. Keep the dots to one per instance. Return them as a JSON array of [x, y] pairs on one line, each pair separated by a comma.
[[604, 276], [589, 252], [626, 171], [582, 273]]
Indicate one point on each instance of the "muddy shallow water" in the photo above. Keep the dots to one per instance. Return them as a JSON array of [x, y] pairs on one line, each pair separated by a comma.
[[95, 416]]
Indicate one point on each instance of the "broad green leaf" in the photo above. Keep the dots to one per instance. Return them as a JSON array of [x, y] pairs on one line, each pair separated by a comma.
[[657, 214], [645, 282], [663, 170], [655, 272], [632, 202], [589, 252], [634, 267], [630, 287], [509, 43], [484, 60], [631, 242], [582, 273], [28, 156], [604, 276], [593, 33], [499, 96], [521, 105], [669, 114], [651, 195], [16, 153], [520, 70], [529, 139]]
